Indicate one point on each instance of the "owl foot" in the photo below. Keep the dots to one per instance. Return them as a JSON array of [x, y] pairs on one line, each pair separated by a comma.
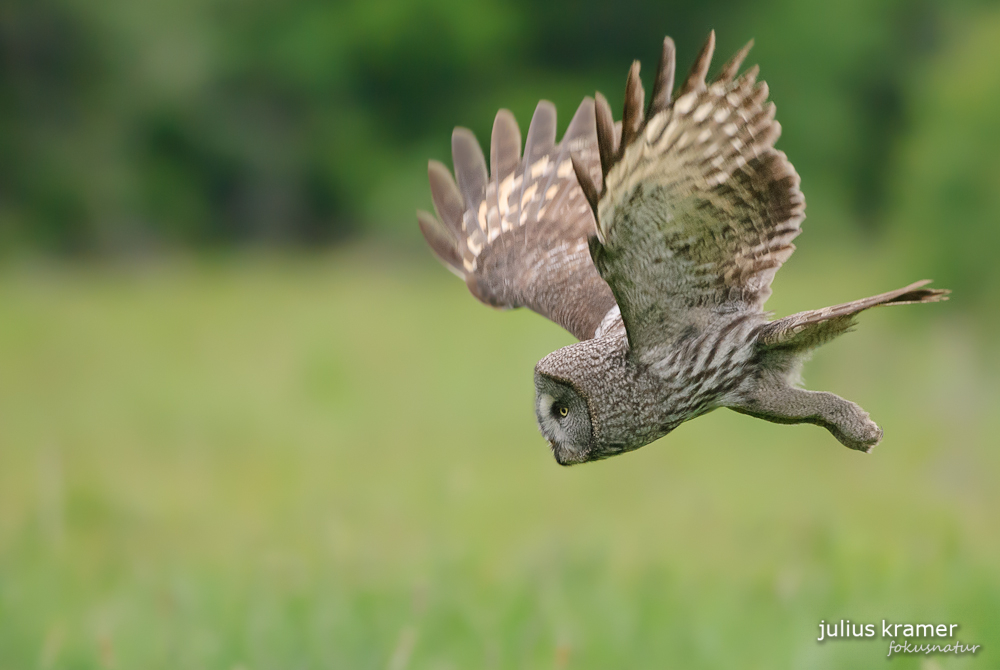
[[781, 403], [860, 433]]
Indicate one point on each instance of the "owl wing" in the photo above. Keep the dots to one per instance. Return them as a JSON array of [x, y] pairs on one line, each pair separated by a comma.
[[698, 210], [518, 235]]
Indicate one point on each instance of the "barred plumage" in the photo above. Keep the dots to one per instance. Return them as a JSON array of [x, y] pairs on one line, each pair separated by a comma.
[[654, 240]]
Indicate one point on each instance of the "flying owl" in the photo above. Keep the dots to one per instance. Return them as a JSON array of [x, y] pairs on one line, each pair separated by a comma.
[[654, 241]]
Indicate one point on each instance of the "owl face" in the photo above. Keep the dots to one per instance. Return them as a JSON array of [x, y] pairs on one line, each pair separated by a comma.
[[564, 419]]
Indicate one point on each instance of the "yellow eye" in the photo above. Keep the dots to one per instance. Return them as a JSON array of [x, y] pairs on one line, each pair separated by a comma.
[[563, 411]]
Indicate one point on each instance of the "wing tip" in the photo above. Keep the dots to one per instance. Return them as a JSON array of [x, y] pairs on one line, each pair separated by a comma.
[[632, 111], [441, 242], [587, 185], [663, 84], [634, 120], [699, 70], [732, 66], [916, 293], [606, 136], [446, 195]]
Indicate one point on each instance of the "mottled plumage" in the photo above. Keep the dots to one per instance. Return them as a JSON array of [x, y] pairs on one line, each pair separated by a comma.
[[519, 236], [654, 241]]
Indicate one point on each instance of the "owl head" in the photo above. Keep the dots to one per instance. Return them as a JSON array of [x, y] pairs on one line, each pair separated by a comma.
[[588, 401], [564, 419]]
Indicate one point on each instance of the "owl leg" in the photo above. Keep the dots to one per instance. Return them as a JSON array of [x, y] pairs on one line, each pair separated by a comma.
[[781, 403]]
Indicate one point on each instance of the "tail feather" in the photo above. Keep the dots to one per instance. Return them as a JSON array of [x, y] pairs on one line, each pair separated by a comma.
[[807, 330]]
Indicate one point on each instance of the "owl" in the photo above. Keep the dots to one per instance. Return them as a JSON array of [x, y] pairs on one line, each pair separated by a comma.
[[654, 241]]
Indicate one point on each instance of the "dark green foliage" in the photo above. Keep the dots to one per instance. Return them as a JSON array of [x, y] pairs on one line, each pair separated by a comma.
[[945, 193], [127, 125]]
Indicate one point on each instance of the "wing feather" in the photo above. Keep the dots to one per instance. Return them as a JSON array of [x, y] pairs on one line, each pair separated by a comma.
[[518, 234], [442, 242], [699, 210], [470, 165]]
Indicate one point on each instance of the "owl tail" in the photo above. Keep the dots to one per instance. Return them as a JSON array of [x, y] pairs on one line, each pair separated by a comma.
[[802, 332]]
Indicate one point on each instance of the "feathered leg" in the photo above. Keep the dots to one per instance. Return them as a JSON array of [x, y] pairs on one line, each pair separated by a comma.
[[782, 346], [778, 402]]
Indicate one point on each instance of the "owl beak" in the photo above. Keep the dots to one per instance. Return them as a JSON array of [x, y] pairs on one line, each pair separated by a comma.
[[566, 455]]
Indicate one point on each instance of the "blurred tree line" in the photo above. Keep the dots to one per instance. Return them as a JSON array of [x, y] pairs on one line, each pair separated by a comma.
[[131, 125]]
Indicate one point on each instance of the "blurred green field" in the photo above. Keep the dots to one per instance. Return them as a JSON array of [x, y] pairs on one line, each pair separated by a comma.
[[332, 462]]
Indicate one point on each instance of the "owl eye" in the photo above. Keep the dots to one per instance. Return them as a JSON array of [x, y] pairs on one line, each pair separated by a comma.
[[563, 410]]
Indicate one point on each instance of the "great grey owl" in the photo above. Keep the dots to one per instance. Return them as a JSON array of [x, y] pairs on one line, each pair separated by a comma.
[[654, 241]]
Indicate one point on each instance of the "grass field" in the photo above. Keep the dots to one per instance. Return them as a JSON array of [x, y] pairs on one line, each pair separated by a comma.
[[332, 462]]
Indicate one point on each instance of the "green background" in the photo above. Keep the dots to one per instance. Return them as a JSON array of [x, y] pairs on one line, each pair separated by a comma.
[[246, 421]]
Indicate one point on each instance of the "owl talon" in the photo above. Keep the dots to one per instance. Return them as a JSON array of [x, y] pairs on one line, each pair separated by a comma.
[[865, 438]]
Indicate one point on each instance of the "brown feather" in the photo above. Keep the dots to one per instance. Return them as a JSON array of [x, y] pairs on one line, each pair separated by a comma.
[[518, 236], [730, 69], [441, 241], [505, 145], [447, 198], [541, 138], [663, 86], [696, 78], [632, 115], [586, 185], [606, 136], [470, 165]]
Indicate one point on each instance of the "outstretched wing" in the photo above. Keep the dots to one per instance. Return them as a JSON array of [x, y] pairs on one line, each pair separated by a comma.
[[698, 210], [518, 236]]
